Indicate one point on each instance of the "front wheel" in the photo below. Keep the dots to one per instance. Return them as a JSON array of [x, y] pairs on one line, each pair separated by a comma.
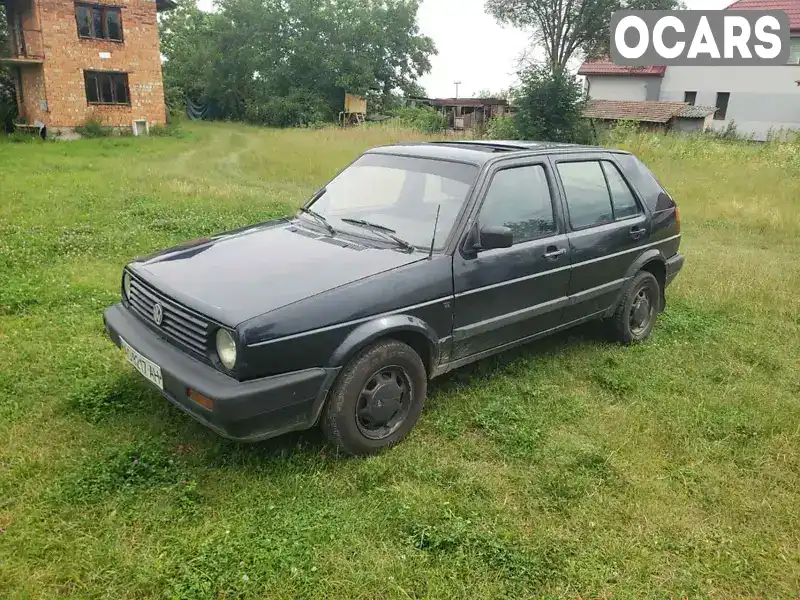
[[376, 400], [636, 314]]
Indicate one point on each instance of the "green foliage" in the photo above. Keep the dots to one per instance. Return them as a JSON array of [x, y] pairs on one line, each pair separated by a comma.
[[307, 54], [421, 118], [93, 128], [550, 106], [503, 128], [564, 29], [298, 108]]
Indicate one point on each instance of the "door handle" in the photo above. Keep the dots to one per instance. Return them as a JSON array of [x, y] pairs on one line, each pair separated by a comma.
[[554, 253], [637, 233]]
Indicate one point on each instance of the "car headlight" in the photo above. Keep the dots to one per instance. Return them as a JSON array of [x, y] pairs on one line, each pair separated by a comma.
[[226, 348], [126, 285]]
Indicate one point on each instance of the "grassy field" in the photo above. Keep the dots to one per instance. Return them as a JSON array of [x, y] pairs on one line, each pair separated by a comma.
[[572, 468]]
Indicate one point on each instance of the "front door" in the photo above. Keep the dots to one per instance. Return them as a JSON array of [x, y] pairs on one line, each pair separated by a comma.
[[607, 227], [506, 295]]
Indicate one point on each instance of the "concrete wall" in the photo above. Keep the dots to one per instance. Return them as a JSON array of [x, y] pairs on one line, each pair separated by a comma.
[[609, 87], [761, 98], [66, 56]]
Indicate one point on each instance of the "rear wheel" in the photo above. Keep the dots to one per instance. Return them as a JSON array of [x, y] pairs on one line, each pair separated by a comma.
[[636, 314], [376, 400]]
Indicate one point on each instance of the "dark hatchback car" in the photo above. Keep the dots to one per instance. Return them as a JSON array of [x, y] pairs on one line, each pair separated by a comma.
[[415, 260]]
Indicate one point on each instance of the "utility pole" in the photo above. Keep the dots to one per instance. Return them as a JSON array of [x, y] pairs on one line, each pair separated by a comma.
[[458, 83]]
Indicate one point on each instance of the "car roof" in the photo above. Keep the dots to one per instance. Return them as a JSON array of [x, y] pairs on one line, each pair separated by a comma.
[[479, 152]]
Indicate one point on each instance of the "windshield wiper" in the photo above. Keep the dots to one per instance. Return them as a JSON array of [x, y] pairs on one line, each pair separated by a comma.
[[390, 233], [319, 218]]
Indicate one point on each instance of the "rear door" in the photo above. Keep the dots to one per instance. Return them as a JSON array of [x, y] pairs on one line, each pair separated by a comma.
[[607, 226], [506, 295]]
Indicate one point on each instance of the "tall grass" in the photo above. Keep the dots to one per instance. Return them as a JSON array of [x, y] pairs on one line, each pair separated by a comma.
[[573, 468]]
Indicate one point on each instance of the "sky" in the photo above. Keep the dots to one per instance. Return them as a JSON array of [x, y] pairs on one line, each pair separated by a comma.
[[477, 51], [474, 49]]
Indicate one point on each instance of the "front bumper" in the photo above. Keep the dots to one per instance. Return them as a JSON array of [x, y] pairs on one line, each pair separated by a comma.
[[248, 411], [674, 266]]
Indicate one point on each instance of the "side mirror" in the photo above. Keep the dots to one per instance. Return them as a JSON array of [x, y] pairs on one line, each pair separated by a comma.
[[495, 236]]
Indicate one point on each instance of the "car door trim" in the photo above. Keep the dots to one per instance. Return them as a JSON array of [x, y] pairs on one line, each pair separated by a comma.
[[565, 267], [507, 319], [474, 329]]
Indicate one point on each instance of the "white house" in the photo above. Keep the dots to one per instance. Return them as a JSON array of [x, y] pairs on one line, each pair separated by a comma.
[[759, 100]]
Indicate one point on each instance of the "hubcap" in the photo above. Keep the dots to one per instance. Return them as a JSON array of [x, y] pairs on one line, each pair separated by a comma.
[[384, 403], [642, 311]]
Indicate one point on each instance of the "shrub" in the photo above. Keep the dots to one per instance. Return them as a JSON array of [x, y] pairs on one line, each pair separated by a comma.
[[422, 118], [93, 128], [172, 129], [550, 105], [503, 128], [296, 109]]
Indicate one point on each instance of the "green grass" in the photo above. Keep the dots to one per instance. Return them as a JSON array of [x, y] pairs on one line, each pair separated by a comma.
[[571, 468]]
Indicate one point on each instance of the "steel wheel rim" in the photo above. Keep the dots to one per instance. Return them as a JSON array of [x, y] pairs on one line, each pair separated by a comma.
[[642, 310], [384, 403]]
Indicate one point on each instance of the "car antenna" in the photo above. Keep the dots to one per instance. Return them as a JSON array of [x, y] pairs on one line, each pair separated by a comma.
[[435, 227]]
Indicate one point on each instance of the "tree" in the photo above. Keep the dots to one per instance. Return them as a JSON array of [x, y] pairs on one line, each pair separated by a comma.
[[550, 106], [8, 97], [256, 58], [567, 27]]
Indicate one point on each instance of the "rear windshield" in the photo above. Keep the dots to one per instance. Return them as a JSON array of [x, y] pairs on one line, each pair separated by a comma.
[[646, 183]]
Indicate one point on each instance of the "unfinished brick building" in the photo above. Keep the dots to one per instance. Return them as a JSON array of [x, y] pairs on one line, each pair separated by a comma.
[[76, 61]]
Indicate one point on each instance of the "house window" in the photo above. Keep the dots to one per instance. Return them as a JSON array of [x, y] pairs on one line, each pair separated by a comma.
[[104, 87], [690, 97], [722, 105], [794, 52], [99, 22]]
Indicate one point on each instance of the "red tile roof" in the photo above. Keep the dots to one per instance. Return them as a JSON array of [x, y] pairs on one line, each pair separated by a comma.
[[604, 66], [792, 8], [650, 111]]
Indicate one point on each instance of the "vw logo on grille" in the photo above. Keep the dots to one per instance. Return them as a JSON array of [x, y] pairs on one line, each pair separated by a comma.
[[158, 313]]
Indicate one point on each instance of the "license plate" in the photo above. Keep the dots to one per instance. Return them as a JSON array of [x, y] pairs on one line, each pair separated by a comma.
[[145, 366]]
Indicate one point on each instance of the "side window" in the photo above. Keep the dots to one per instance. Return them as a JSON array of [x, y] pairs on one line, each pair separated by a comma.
[[519, 198], [588, 199], [621, 196]]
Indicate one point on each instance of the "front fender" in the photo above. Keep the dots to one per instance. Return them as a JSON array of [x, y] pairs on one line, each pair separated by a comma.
[[368, 332]]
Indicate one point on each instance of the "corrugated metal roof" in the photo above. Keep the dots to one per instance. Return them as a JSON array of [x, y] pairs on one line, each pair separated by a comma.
[[792, 8], [649, 111], [604, 66], [697, 112]]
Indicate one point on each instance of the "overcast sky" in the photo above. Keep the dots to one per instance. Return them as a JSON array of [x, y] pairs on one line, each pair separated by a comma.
[[474, 49], [477, 51]]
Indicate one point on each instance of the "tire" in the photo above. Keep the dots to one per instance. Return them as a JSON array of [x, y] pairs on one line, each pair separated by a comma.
[[633, 321], [359, 417]]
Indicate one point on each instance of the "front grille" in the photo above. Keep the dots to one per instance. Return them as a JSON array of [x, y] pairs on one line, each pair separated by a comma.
[[178, 322]]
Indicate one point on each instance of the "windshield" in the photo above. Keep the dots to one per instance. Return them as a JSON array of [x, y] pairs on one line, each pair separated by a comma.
[[400, 193]]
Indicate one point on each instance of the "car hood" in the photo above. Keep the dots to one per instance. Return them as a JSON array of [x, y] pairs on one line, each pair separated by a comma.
[[240, 275]]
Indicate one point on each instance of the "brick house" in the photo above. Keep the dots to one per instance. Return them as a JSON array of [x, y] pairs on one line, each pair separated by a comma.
[[76, 61]]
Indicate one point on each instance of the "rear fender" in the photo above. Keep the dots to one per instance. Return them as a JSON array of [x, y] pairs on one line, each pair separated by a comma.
[[644, 258]]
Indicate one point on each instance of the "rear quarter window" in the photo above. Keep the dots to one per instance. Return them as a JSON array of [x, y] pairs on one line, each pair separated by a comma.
[[653, 193]]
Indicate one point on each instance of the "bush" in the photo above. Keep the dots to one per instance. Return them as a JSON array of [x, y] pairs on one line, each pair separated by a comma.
[[175, 99], [502, 128], [171, 129], [422, 118], [296, 109], [550, 107], [93, 129]]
